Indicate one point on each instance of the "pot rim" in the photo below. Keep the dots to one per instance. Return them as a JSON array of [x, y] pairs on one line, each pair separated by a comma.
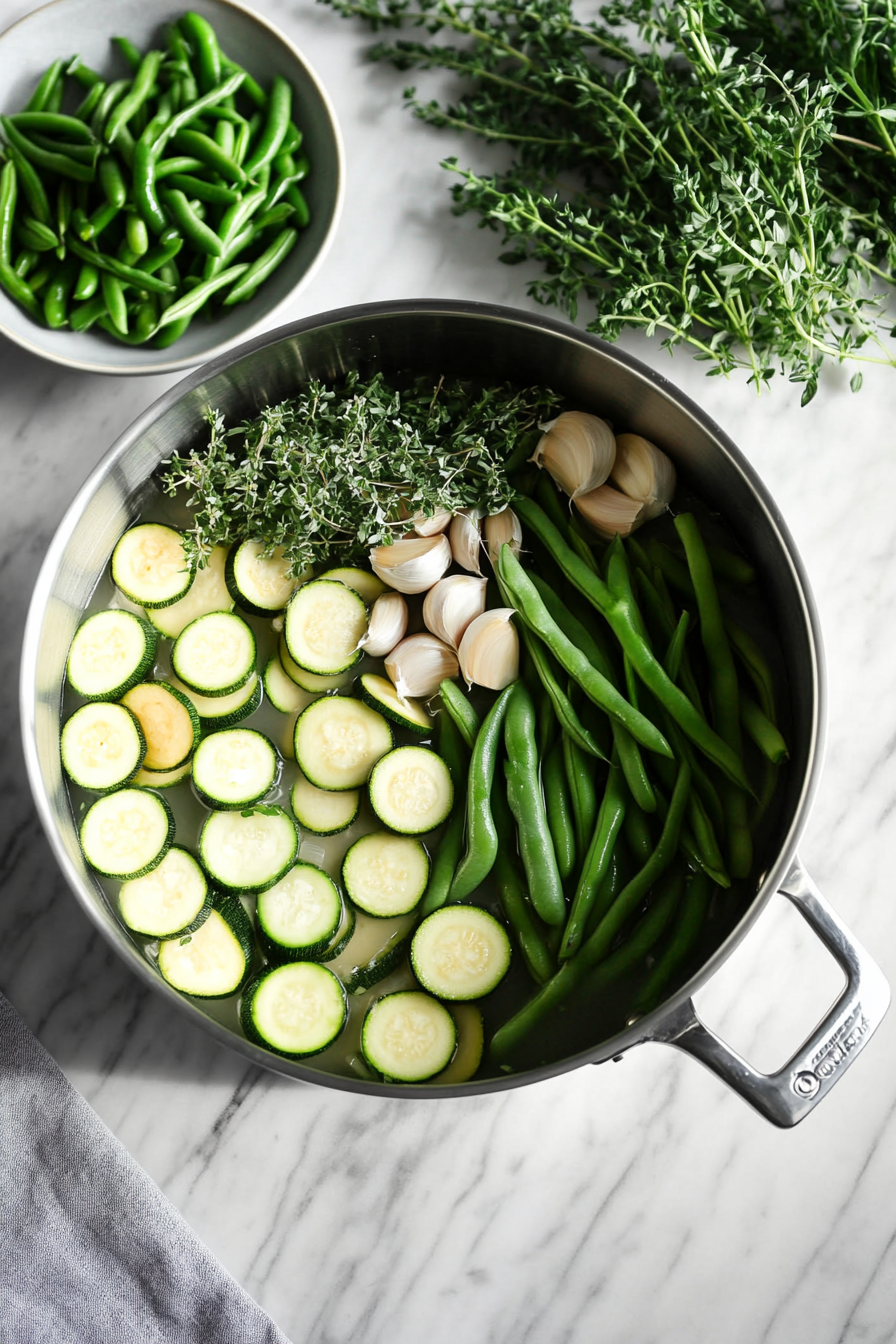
[[640, 1031]]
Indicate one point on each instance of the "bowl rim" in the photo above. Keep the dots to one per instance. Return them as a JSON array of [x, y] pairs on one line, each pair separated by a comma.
[[643, 1030], [223, 347]]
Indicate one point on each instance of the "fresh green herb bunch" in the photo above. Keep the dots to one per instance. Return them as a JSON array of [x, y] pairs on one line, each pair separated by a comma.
[[331, 472], [719, 173]]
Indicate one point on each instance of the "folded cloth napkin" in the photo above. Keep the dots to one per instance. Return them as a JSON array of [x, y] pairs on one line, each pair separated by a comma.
[[91, 1251]]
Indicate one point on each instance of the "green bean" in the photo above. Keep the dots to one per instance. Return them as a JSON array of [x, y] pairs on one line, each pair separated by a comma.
[[204, 42], [262, 267], [213, 192], [706, 849], [689, 923], [482, 836], [549, 498], [144, 83], [111, 180], [204, 148], [31, 186], [179, 163], [9, 191], [526, 802], [637, 831], [190, 303], [253, 91], [292, 140], [54, 124], [596, 686], [85, 109], [547, 719], [36, 235], [180, 51], [618, 874], [225, 137], [49, 80], [527, 928], [762, 731], [63, 210], [39, 278], [20, 290], [51, 160], [168, 335], [25, 263], [136, 235], [87, 282], [128, 51], [459, 709], [451, 841], [100, 220], [169, 245], [729, 565], [241, 142], [86, 77], [58, 293], [86, 155], [756, 664], [112, 94], [191, 226], [643, 937], [115, 301], [560, 701], [597, 861], [559, 810], [129, 274], [582, 792], [296, 199]]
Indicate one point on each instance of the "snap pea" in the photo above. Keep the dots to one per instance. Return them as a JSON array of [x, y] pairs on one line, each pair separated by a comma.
[[206, 52], [87, 282], [191, 226], [559, 810], [262, 267], [451, 842], [31, 186], [49, 80], [58, 293], [596, 865], [525, 925], [190, 303], [51, 160], [527, 805], [482, 836], [459, 709]]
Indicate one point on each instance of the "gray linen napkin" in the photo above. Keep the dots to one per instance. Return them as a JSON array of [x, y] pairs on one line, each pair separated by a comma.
[[92, 1251]]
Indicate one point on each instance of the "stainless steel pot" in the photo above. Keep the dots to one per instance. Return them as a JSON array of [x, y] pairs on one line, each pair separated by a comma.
[[495, 344]]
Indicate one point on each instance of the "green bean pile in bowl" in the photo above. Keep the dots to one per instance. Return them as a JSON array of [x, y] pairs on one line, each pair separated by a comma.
[[188, 231]]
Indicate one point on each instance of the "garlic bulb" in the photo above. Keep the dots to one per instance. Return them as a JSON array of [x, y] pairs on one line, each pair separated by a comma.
[[610, 512], [643, 471], [578, 450], [500, 528], [413, 564], [452, 604], [489, 652], [387, 624], [419, 664], [429, 527], [466, 539]]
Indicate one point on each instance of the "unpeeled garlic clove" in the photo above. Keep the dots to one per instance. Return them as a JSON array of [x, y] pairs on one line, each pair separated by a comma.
[[452, 604], [501, 528], [419, 664], [610, 512], [387, 624], [489, 653], [430, 526], [413, 564], [578, 450], [466, 539], [644, 472]]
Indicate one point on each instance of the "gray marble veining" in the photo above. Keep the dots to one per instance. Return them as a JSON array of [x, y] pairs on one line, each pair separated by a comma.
[[637, 1204]]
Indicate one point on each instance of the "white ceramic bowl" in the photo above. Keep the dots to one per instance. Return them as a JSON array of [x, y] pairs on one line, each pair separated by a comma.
[[67, 27]]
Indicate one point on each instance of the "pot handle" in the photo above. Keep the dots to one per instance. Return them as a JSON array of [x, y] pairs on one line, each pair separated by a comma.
[[790, 1094]]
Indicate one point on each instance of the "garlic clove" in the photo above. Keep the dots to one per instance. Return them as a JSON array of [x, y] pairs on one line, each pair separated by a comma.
[[466, 539], [577, 450], [386, 626], [413, 564], [452, 604], [419, 664], [426, 526], [500, 528], [643, 471], [610, 512], [489, 653]]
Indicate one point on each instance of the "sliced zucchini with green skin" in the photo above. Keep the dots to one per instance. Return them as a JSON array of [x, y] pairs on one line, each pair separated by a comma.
[[248, 851], [342, 937], [215, 654], [379, 693], [111, 651], [281, 690], [213, 962], [259, 585], [295, 1010], [323, 627], [235, 768], [225, 711], [299, 916], [169, 721], [171, 901], [127, 833], [150, 565], [470, 1045], [366, 584], [376, 949], [385, 874], [338, 741], [208, 592], [410, 790], [162, 779], [102, 746], [322, 811], [408, 1036], [460, 952], [309, 681]]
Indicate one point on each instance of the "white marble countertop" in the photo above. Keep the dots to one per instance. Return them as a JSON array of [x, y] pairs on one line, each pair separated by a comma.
[[639, 1204]]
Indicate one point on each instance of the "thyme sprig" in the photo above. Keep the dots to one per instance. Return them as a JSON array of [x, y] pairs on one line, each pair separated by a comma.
[[333, 471], [720, 173]]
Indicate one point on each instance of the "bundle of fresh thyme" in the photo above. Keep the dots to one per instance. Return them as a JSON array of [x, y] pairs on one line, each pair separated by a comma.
[[333, 471], [721, 173]]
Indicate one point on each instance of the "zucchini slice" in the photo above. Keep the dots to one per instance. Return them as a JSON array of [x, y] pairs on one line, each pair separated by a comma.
[[248, 851], [408, 1036], [208, 592], [102, 746], [150, 565], [127, 833], [295, 1010], [366, 584], [111, 651], [162, 779], [260, 585], [320, 810], [385, 874], [460, 952], [411, 790], [338, 741], [235, 768], [470, 1044], [323, 627], [376, 948], [225, 711], [299, 916], [215, 654], [310, 681], [281, 690], [169, 721], [171, 901], [379, 693], [213, 962]]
